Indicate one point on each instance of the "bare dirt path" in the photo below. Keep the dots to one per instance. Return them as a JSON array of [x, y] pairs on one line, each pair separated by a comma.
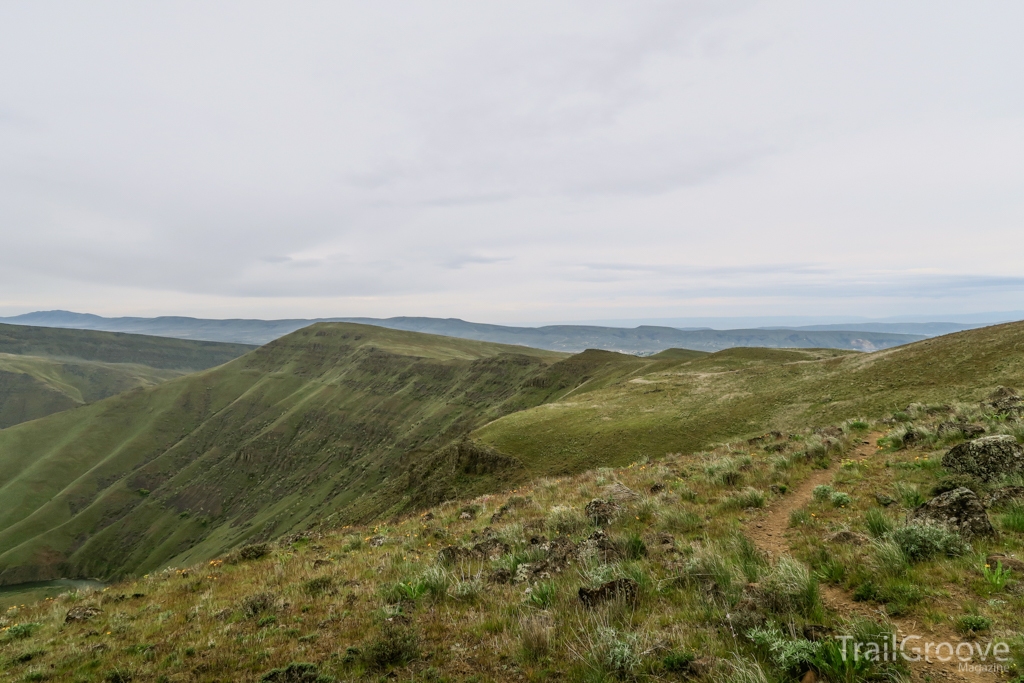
[[769, 531]]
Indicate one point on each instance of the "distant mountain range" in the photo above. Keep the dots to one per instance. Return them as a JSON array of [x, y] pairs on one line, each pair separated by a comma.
[[645, 339]]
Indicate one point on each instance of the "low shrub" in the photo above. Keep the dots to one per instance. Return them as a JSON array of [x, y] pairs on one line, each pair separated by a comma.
[[920, 542], [296, 673], [395, 644], [256, 604], [746, 499], [20, 631], [973, 623], [322, 585], [566, 520], [822, 492], [840, 499]]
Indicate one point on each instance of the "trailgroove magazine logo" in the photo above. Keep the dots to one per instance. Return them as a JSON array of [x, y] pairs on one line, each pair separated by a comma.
[[970, 656]]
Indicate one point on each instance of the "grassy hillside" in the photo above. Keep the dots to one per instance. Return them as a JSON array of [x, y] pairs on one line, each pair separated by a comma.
[[346, 422], [668, 407], [114, 347], [44, 370], [715, 566], [32, 387]]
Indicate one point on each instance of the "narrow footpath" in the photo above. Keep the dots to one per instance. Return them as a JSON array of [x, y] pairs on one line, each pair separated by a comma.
[[770, 532]]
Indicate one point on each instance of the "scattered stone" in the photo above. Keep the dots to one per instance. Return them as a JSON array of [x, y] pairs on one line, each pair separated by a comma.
[[958, 510], [884, 500], [770, 436], [491, 549], [620, 493], [561, 552], [514, 503], [466, 515], [81, 613], [1013, 564], [1007, 402], [970, 431], [378, 541], [600, 545], [252, 552], [1004, 495], [500, 576], [626, 590], [602, 512], [834, 432], [452, 554], [986, 458], [847, 537]]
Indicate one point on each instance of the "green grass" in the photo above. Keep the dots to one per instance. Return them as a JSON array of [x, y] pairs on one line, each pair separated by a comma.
[[45, 371], [669, 407]]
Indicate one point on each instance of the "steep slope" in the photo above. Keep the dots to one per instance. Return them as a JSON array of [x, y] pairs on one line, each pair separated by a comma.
[[32, 387], [44, 370], [115, 347], [567, 338], [337, 421], [672, 407]]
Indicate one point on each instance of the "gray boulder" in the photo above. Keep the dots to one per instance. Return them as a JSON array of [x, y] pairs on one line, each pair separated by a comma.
[[959, 510], [986, 458]]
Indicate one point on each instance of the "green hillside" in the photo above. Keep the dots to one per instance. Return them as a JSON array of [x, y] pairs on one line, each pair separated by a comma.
[[339, 420], [115, 347], [32, 387], [342, 423], [669, 407], [44, 371]]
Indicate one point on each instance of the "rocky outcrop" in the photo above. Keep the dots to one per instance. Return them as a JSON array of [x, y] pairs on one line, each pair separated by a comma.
[[1006, 401], [626, 590], [986, 458], [959, 510], [601, 512]]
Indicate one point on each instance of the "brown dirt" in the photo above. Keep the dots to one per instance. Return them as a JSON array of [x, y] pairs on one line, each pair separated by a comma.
[[770, 531]]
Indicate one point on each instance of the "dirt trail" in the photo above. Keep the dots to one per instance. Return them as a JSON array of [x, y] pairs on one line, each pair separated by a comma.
[[769, 532]]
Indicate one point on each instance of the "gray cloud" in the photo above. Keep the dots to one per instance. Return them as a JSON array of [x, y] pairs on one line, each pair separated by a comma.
[[510, 161]]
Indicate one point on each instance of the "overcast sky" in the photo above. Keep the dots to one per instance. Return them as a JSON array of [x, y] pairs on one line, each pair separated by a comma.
[[512, 161]]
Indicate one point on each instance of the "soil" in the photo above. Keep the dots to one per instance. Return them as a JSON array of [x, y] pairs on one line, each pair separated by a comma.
[[770, 532]]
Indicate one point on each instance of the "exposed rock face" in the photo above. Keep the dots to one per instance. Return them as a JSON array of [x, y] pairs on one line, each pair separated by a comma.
[[601, 512], [986, 458], [958, 510], [1007, 402], [81, 614], [626, 590], [1004, 495]]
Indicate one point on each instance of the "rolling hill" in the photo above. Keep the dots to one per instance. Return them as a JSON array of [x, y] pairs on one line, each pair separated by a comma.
[[645, 339], [338, 421], [343, 423], [45, 370], [682, 406]]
